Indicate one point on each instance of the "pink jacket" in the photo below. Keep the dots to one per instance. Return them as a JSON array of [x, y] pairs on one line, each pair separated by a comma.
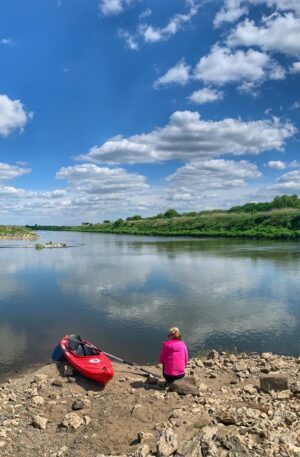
[[174, 357]]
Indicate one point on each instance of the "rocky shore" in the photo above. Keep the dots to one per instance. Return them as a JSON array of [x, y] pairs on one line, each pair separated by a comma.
[[227, 406]]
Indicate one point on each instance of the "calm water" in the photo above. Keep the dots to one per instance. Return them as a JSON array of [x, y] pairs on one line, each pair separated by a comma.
[[124, 292]]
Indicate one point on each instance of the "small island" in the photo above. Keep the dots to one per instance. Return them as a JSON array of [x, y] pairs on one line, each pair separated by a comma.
[[50, 245]]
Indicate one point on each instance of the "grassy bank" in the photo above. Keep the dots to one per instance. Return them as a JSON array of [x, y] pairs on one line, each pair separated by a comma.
[[279, 219], [16, 232]]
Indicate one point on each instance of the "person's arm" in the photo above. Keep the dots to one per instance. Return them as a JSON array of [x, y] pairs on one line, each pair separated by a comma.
[[186, 356], [162, 355]]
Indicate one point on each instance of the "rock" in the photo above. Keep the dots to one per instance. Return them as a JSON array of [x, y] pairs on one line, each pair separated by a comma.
[[227, 419], [139, 412], [77, 405], [38, 400], [41, 379], [250, 389], [87, 420], [267, 355], [167, 443], [142, 451], [189, 449], [213, 354], [67, 370], [273, 382], [234, 445], [57, 382], [72, 421], [143, 437], [185, 386], [240, 366], [39, 422], [295, 387]]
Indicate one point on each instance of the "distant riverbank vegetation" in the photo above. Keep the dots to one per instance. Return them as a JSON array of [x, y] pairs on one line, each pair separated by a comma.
[[279, 219], [15, 232]]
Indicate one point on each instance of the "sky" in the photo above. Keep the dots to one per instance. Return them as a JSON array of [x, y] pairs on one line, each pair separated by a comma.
[[111, 108]]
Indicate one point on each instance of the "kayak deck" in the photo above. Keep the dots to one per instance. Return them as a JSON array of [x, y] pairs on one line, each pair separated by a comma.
[[87, 359]]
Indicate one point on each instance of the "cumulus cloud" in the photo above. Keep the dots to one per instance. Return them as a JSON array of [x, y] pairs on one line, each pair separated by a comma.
[[113, 7], [295, 67], [8, 172], [179, 74], [12, 115], [6, 41], [205, 95], [187, 137], [153, 34], [279, 33], [224, 66], [234, 9], [276, 165], [90, 178], [214, 174], [288, 183]]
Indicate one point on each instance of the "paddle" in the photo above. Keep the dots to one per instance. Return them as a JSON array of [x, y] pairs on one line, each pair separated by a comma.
[[117, 358]]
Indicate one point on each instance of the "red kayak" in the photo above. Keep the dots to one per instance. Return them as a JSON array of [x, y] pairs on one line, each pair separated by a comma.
[[87, 359]]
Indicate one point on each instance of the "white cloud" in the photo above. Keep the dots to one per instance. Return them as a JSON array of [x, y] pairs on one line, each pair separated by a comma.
[[224, 66], [276, 165], [279, 33], [288, 182], [203, 175], [295, 67], [8, 172], [89, 178], [153, 34], [12, 115], [187, 137], [295, 106], [179, 74], [130, 40], [113, 7], [234, 9], [205, 95], [5, 41]]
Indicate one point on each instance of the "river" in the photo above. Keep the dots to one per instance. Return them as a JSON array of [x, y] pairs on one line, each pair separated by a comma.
[[124, 292]]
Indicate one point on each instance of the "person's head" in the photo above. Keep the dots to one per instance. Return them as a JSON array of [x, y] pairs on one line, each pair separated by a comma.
[[174, 333]]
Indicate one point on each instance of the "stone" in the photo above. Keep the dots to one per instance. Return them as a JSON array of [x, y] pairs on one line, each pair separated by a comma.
[[273, 382], [240, 366], [39, 422], [266, 355], [144, 436], [227, 419], [189, 449], [167, 443], [295, 387], [77, 405], [41, 379], [67, 370], [185, 386], [57, 382], [142, 451], [38, 400], [72, 421], [250, 389], [234, 445], [213, 354], [139, 412], [87, 420]]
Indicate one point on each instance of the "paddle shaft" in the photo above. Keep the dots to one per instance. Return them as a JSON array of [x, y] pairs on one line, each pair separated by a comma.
[[118, 358]]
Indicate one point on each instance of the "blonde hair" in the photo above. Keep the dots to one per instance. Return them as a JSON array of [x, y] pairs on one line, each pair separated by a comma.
[[174, 332]]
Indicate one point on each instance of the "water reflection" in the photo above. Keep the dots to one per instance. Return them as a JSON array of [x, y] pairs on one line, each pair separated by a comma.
[[124, 292]]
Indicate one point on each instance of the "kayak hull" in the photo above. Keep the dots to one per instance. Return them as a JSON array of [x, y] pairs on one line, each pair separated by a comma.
[[97, 366]]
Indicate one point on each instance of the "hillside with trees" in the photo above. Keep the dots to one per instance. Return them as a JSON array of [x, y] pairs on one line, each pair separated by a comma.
[[279, 219]]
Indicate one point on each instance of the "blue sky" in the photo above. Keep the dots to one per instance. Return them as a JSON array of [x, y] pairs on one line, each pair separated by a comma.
[[110, 108]]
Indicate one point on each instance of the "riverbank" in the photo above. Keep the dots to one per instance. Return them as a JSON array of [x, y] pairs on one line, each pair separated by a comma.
[[14, 232], [228, 405]]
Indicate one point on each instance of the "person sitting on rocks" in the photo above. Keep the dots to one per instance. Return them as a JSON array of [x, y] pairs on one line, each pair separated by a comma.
[[174, 356]]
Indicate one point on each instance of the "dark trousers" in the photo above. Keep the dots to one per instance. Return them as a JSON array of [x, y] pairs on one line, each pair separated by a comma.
[[169, 378]]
